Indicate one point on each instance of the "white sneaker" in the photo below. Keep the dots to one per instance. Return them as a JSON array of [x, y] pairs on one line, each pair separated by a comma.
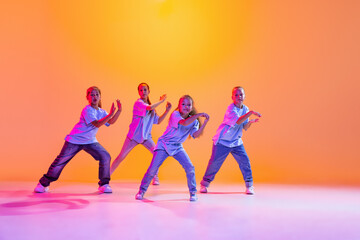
[[203, 189], [193, 197], [105, 188], [155, 181], [140, 195], [250, 190], [40, 188]]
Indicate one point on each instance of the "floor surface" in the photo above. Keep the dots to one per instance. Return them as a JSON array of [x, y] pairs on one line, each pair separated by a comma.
[[78, 211]]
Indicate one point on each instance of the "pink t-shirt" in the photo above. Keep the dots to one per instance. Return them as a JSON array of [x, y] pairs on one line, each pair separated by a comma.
[[142, 122]]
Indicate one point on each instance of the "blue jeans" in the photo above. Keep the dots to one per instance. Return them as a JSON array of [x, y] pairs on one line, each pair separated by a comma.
[[218, 156], [68, 151], [158, 158]]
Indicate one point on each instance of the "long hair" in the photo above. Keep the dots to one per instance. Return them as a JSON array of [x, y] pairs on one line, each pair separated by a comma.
[[193, 110], [89, 90], [146, 85]]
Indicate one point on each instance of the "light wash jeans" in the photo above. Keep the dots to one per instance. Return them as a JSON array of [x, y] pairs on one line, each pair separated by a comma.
[[68, 151], [158, 158], [218, 156]]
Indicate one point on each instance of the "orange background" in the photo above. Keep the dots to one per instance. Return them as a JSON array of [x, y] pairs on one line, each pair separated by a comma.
[[297, 60]]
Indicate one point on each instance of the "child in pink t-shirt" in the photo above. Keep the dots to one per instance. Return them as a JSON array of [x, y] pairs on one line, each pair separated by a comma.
[[144, 117]]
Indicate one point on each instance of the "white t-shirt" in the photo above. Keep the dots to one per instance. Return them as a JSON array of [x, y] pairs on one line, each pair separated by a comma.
[[229, 132], [175, 134], [142, 122], [84, 132]]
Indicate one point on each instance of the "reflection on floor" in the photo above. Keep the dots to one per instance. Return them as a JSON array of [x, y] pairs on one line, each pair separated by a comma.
[[78, 211]]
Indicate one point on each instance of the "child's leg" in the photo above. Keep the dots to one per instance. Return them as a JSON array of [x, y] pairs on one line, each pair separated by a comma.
[[186, 163], [242, 159], [158, 158], [218, 156], [100, 154], [150, 145], [126, 148], [68, 151]]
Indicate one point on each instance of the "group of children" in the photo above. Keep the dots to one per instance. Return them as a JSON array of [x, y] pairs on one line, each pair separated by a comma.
[[184, 121]]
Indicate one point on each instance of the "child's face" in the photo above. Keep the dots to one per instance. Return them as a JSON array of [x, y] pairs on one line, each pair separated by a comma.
[[185, 106], [94, 98], [238, 96], [143, 91]]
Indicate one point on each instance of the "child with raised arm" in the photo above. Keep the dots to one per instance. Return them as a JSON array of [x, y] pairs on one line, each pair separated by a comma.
[[182, 123], [144, 117], [228, 140], [83, 137]]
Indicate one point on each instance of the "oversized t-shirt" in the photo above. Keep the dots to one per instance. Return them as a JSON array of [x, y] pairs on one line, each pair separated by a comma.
[[142, 122], [229, 132], [175, 134], [84, 132]]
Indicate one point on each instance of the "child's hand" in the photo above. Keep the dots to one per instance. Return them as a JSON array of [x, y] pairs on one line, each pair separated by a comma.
[[207, 118], [162, 98], [256, 113], [112, 109], [205, 115], [253, 120], [118, 105], [168, 106]]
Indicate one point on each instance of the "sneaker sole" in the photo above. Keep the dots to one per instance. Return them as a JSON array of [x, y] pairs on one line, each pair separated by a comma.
[[139, 198], [45, 191], [105, 191]]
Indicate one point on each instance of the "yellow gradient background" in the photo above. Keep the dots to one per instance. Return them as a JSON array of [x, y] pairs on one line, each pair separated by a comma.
[[297, 60]]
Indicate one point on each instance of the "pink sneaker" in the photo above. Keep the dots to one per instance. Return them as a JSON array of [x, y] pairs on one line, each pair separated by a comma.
[[203, 189], [155, 180]]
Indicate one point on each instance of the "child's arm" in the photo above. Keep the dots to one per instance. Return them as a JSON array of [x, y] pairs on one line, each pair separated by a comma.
[[201, 129], [153, 106], [167, 110], [243, 118], [117, 114], [248, 124], [189, 120], [99, 123]]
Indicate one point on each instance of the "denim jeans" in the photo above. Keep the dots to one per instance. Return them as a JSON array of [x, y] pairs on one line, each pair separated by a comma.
[[218, 156], [68, 151], [158, 158]]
